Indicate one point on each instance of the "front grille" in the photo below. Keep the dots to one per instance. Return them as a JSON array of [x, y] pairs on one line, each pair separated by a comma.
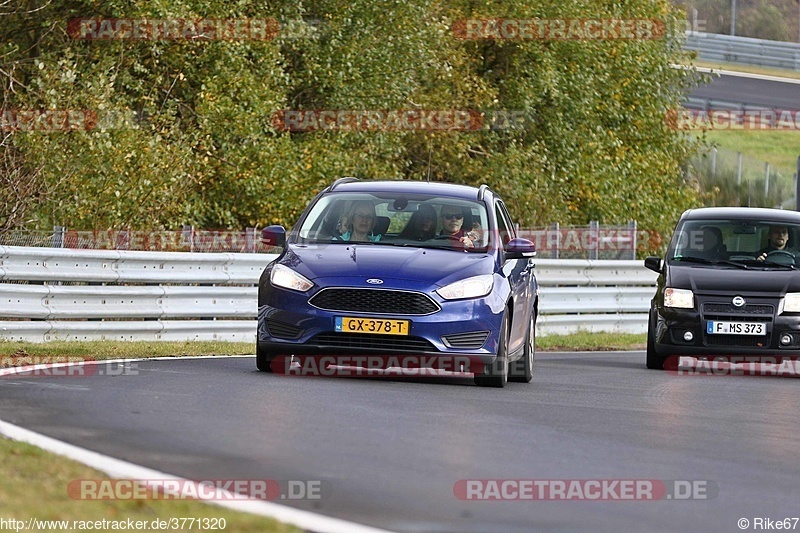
[[737, 340], [377, 301], [467, 341], [282, 330], [744, 310], [387, 343]]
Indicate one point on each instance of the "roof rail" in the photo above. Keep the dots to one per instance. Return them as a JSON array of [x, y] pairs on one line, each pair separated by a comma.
[[482, 190], [338, 182]]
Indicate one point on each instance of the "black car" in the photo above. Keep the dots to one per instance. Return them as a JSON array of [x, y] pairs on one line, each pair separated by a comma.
[[729, 286]]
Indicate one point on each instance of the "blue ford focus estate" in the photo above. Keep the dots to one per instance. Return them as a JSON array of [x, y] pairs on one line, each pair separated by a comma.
[[374, 268]]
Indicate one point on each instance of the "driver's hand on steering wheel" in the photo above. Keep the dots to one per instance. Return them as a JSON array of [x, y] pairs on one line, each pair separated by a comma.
[[762, 257]]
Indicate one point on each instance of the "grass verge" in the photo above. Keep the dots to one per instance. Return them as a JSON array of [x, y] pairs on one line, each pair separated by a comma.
[[585, 341], [99, 350], [780, 148], [33, 484], [751, 69]]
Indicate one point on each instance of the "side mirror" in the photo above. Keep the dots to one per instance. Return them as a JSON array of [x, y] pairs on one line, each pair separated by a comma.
[[273, 236], [653, 263], [520, 249]]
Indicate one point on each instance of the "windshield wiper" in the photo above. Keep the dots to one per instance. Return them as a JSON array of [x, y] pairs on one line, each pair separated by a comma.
[[774, 264], [691, 259], [704, 261]]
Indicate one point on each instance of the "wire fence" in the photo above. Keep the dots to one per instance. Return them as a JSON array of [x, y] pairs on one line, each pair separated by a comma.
[[729, 178], [593, 241], [189, 239]]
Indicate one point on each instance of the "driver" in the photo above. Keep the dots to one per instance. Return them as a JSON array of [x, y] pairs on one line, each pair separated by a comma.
[[777, 240]]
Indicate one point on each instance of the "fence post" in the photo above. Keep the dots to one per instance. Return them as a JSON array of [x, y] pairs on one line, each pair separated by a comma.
[[714, 162], [797, 186], [739, 170], [594, 227], [555, 227], [58, 237], [632, 231], [250, 236]]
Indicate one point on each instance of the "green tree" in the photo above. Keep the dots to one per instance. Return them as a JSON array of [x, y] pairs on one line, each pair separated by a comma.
[[199, 143]]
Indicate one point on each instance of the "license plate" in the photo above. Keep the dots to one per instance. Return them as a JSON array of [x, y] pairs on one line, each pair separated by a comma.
[[382, 326], [736, 328]]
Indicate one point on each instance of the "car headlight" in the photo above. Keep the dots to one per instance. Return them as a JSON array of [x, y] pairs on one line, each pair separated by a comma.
[[474, 287], [681, 298], [791, 302], [287, 278]]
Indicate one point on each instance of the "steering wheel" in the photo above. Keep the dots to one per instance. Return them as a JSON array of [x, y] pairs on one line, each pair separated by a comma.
[[782, 256]]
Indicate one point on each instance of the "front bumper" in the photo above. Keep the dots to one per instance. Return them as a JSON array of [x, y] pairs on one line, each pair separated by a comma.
[[289, 325], [671, 326]]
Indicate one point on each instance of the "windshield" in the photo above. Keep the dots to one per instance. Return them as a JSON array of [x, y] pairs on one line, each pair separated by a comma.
[[396, 220], [736, 242]]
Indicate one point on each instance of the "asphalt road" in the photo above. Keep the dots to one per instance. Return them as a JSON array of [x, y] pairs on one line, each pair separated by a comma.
[[754, 92], [390, 451]]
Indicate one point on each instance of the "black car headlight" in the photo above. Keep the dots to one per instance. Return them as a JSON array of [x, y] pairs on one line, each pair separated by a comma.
[[679, 298]]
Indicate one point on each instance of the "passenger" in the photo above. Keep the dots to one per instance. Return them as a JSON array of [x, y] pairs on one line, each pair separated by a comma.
[[360, 220], [707, 244], [421, 226]]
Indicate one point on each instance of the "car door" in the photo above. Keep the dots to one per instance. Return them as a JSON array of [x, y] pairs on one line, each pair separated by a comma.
[[519, 273]]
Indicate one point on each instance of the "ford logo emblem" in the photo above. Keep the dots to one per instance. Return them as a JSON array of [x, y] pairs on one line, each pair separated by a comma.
[[375, 281], [738, 301]]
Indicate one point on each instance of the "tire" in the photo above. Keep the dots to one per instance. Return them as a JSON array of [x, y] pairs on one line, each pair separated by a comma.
[[654, 361], [521, 370], [496, 374], [264, 359]]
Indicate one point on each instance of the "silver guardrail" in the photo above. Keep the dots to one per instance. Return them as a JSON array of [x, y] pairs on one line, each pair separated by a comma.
[[63, 294], [745, 50]]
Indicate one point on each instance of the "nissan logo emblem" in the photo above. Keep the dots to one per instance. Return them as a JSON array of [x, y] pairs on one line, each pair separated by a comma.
[[375, 281], [738, 301]]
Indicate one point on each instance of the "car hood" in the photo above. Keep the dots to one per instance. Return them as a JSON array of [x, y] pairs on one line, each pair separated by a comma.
[[424, 266], [715, 279]]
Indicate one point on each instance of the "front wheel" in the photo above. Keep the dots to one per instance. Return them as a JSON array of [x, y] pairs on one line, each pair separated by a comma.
[[496, 374], [264, 359], [654, 361], [521, 370]]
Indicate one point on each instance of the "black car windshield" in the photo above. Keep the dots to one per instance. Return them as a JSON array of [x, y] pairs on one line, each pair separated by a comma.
[[396, 220], [756, 243]]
